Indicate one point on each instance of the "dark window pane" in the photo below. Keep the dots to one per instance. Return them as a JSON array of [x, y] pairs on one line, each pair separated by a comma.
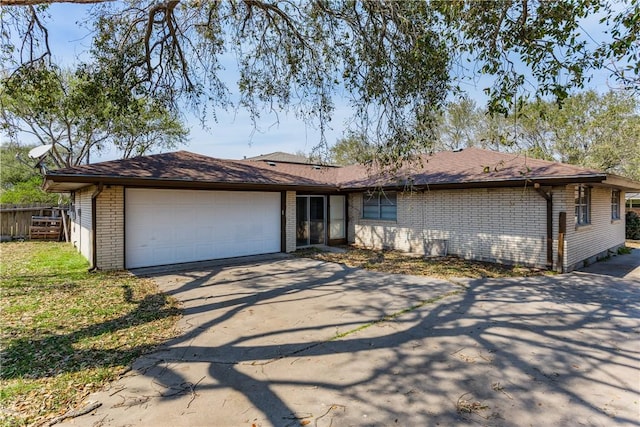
[[388, 212], [371, 212]]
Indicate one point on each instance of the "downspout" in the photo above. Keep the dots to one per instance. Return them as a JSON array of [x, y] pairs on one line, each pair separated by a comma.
[[94, 232], [549, 199]]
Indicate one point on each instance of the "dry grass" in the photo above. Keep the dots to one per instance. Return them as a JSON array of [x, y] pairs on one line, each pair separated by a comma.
[[67, 332], [390, 261], [464, 406]]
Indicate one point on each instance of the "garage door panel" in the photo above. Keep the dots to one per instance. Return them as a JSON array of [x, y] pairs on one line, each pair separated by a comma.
[[173, 226]]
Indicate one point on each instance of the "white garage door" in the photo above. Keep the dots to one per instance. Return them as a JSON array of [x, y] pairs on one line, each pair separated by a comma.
[[174, 226]]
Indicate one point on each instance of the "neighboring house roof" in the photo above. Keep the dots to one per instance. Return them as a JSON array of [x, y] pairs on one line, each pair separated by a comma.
[[279, 156], [471, 167]]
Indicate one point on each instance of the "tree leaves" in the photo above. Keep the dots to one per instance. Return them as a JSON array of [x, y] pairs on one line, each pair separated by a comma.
[[395, 61], [83, 111], [591, 130]]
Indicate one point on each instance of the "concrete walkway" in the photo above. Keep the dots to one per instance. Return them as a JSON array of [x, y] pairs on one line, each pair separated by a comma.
[[290, 342], [626, 266]]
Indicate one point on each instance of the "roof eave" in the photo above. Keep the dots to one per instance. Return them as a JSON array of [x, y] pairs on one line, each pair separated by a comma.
[[76, 182], [622, 183], [65, 183]]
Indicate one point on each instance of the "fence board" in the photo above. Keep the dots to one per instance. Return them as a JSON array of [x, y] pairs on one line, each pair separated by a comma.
[[15, 220]]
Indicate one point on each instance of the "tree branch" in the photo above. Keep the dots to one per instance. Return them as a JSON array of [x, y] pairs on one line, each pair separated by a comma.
[[37, 2]]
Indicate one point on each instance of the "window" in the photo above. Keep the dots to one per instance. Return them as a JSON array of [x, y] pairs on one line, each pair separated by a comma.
[[615, 204], [583, 205], [380, 205]]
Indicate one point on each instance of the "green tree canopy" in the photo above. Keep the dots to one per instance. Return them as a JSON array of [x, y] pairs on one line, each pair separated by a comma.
[[83, 112], [20, 181], [351, 150], [397, 61], [12, 171], [594, 130]]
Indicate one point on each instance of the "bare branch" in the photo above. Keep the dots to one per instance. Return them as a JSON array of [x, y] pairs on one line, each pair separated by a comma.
[[37, 2]]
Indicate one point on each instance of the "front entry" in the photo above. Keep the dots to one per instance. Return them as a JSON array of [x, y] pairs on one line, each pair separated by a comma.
[[310, 220]]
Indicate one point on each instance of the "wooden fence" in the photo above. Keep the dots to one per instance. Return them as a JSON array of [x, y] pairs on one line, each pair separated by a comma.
[[15, 220]]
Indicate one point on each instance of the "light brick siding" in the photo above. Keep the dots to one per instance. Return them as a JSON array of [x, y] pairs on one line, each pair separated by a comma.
[[503, 225], [110, 228], [81, 222], [506, 225], [593, 241], [290, 221]]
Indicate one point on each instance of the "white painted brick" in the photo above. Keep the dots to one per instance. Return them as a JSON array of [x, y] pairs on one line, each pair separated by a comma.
[[81, 223]]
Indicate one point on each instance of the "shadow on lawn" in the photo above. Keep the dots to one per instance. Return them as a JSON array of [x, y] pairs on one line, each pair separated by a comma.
[[51, 354], [553, 348]]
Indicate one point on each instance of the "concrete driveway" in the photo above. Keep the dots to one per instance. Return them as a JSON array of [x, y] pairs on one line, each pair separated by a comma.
[[290, 342]]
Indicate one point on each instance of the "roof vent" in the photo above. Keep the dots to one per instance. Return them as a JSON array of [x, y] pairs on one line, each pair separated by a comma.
[[271, 163], [317, 167], [457, 150]]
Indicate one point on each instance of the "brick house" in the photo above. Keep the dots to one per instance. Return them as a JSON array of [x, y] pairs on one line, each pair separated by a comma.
[[476, 204]]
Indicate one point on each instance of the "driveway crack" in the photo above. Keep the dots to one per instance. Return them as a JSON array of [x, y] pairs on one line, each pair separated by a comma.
[[387, 318]]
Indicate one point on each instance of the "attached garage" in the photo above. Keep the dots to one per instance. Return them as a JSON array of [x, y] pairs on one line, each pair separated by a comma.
[[167, 226]]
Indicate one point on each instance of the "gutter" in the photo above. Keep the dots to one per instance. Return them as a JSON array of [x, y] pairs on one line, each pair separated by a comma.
[[548, 197], [94, 231]]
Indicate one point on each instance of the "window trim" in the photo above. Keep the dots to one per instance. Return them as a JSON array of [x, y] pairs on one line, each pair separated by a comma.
[[582, 203], [615, 204], [378, 196]]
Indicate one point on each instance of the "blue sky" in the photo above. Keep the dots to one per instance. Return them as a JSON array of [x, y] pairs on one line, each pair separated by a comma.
[[233, 135]]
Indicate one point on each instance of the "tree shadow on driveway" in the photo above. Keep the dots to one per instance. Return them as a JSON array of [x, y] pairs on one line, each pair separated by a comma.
[[290, 341]]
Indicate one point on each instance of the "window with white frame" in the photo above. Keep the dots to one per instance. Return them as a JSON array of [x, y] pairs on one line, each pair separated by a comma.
[[615, 204], [380, 205], [583, 205]]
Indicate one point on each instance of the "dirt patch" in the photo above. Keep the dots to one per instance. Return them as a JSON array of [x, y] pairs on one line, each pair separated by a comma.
[[392, 261]]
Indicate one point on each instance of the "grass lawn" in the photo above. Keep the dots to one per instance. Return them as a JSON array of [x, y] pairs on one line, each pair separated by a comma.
[[391, 261], [66, 332]]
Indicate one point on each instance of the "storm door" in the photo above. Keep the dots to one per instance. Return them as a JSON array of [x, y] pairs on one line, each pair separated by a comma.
[[310, 220]]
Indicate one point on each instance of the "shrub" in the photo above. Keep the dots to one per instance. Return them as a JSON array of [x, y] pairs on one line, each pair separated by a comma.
[[633, 226], [28, 192], [623, 250]]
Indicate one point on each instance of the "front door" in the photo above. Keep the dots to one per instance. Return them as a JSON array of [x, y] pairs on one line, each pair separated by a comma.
[[310, 220]]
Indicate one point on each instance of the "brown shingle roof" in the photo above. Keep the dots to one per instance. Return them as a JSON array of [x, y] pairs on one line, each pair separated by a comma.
[[466, 168], [188, 168], [471, 165]]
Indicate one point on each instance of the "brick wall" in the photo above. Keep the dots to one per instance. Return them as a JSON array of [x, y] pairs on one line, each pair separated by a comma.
[[110, 228], [290, 227], [505, 225], [81, 222], [587, 243]]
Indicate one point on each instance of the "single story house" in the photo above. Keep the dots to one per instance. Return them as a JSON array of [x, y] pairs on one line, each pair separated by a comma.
[[477, 204]]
